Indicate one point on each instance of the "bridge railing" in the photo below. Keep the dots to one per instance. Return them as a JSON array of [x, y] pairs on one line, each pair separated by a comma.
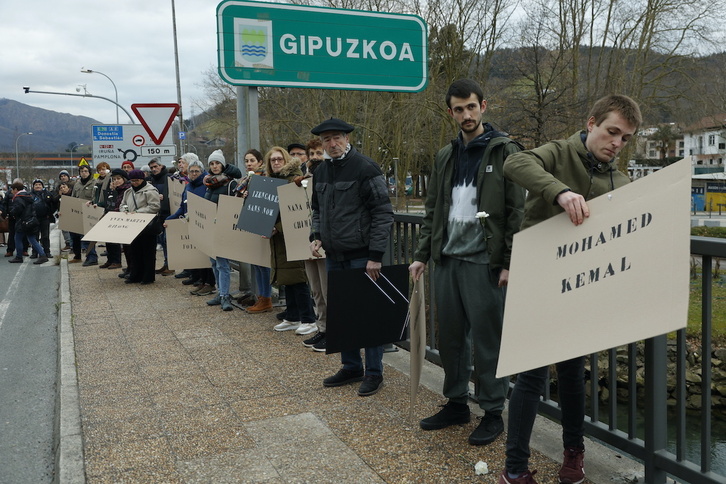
[[635, 417]]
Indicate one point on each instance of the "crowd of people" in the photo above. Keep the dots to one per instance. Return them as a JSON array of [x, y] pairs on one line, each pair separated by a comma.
[[481, 171]]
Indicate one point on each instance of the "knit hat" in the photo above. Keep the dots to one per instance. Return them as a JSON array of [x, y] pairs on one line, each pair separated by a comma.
[[137, 175], [127, 162], [38, 180], [120, 172], [64, 172], [217, 156]]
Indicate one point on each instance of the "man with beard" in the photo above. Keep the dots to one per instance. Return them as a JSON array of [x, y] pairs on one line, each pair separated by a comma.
[[159, 175], [471, 215]]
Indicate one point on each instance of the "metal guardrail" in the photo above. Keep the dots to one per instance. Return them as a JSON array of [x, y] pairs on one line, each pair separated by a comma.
[[602, 419]]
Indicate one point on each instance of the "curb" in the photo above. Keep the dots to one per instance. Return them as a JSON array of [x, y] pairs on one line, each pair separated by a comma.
[[69, 439]]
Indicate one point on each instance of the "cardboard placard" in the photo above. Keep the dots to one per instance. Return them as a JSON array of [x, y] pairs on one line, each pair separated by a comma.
[[91, 216], [183, 254], [70, 214], [233, 243], [261, 207], [296, 220], [119, 227], [363, 313], [175, 191], [577, 290], [201, 214]]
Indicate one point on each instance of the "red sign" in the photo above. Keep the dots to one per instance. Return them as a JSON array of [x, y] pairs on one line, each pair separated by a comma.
[[156, 118]]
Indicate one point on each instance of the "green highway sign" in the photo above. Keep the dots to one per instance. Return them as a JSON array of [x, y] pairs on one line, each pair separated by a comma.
[[284, 45]]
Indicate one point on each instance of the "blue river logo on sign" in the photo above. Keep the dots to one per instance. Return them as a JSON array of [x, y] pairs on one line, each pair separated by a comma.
[[252, 39]]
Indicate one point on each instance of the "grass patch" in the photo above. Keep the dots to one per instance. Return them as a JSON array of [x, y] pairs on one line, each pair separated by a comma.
[[718, 318]]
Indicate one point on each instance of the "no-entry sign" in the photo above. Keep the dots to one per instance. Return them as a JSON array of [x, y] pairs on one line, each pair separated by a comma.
[[283, 45]]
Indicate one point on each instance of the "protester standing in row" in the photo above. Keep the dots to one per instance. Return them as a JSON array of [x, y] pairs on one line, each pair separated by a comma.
[[472, 253], [353, 227], [83, 188], [142, 197], [255, 165], [26, 223], [220, 181], [562, 176], [159, 179], [45, 206], [291, 274]]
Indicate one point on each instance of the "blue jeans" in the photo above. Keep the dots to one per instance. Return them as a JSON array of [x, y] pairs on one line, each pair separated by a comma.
[[351, 359], [262, 279], [33, 242], [220, 266], [523, 406], [161, 239]]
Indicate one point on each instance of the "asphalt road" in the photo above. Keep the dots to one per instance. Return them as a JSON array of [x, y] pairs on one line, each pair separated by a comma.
[[28, 370]]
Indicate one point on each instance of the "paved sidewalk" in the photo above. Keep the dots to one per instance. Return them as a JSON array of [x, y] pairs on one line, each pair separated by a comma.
[[171, 390]]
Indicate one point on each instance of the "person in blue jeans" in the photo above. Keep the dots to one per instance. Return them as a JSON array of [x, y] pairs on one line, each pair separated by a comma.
[[220, 181], [26, 223], [352, 219]]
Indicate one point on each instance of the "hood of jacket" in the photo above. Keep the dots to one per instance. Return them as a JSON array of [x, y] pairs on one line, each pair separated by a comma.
[[291, 168]]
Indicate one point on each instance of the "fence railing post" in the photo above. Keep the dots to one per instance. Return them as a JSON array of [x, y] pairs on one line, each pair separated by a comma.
[[656, 418]]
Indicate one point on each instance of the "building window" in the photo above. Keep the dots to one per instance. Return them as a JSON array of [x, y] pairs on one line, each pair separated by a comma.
[[722, 146], [711, 139]]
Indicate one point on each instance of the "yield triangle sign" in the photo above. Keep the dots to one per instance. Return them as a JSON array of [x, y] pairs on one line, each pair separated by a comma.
[[156, 118]]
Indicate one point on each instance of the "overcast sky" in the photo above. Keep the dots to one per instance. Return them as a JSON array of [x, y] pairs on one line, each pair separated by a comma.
[[45, 43]]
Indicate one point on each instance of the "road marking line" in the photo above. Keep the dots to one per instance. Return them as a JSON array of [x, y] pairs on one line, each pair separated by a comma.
[[5, 303]]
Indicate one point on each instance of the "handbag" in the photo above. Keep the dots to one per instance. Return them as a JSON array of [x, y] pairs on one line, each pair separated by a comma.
[[4, 224]]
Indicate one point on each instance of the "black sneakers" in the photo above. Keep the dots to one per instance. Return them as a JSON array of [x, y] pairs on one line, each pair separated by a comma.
[[343, 377], [490, 427], [451, 414], [370, 386], [310, 342]]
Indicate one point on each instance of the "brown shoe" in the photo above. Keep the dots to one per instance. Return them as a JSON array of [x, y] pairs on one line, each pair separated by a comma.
[[263, 305], [74, 261], [167, 272], [205, 290], [163, 268], [114, 266]]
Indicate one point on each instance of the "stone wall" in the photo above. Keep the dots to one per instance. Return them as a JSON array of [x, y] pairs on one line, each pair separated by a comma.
[[693, 377]]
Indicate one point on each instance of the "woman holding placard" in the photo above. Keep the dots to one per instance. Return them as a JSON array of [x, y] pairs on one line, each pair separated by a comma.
[[220, 181], [291, 274]]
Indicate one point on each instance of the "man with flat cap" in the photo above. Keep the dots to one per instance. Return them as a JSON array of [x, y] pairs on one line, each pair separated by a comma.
[[352, 219]]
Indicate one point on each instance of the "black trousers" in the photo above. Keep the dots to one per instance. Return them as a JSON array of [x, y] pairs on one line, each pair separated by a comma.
[[142, 257]]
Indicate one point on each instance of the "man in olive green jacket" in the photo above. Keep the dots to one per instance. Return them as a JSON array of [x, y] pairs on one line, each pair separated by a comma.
[[472, 214], [561, 176]]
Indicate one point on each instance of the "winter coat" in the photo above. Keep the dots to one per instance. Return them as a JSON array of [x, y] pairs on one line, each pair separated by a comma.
[[145, 200], [285, 272], [23, 211], [352, 213], [222, 184], [558, 166], [497, 196], [195, 186], [82, 190], [46, 204], [160, 182]]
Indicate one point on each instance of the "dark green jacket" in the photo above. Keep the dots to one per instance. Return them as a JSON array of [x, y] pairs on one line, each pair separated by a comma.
[[555, 167], [499, 197]]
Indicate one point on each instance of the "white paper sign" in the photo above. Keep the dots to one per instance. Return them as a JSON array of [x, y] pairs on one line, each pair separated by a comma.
[[202, 214], [233, 243], [70, 214], [183, 254], [621, 276], [119, 227], [296, 220]]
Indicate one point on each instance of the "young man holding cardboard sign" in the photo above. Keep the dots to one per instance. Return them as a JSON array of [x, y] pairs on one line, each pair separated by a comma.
[[562, 176]]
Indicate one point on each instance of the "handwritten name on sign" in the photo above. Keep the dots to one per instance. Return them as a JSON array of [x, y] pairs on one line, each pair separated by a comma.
[[590, 242], [296, 220], [202, 215], [576, 290], [71, 214], [183, 253], [261, 207], [119, 227]]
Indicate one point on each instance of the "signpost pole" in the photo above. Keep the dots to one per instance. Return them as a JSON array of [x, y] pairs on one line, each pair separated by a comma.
[[248, 121]]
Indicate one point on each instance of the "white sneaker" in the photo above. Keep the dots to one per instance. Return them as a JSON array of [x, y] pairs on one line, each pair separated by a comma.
[[306, 328], [286, 325]]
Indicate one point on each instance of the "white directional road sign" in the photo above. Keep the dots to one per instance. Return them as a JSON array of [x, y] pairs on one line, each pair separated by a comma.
[[117, 143]]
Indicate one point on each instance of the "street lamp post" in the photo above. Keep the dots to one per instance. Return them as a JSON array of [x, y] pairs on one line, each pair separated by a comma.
[[17, 157], [28, 91], [89, 71], [74, 148]]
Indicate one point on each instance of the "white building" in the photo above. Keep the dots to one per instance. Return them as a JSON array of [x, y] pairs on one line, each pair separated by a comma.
[[705, 142]]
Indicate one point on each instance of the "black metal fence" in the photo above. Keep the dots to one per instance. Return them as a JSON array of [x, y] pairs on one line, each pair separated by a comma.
[[633, 419]]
